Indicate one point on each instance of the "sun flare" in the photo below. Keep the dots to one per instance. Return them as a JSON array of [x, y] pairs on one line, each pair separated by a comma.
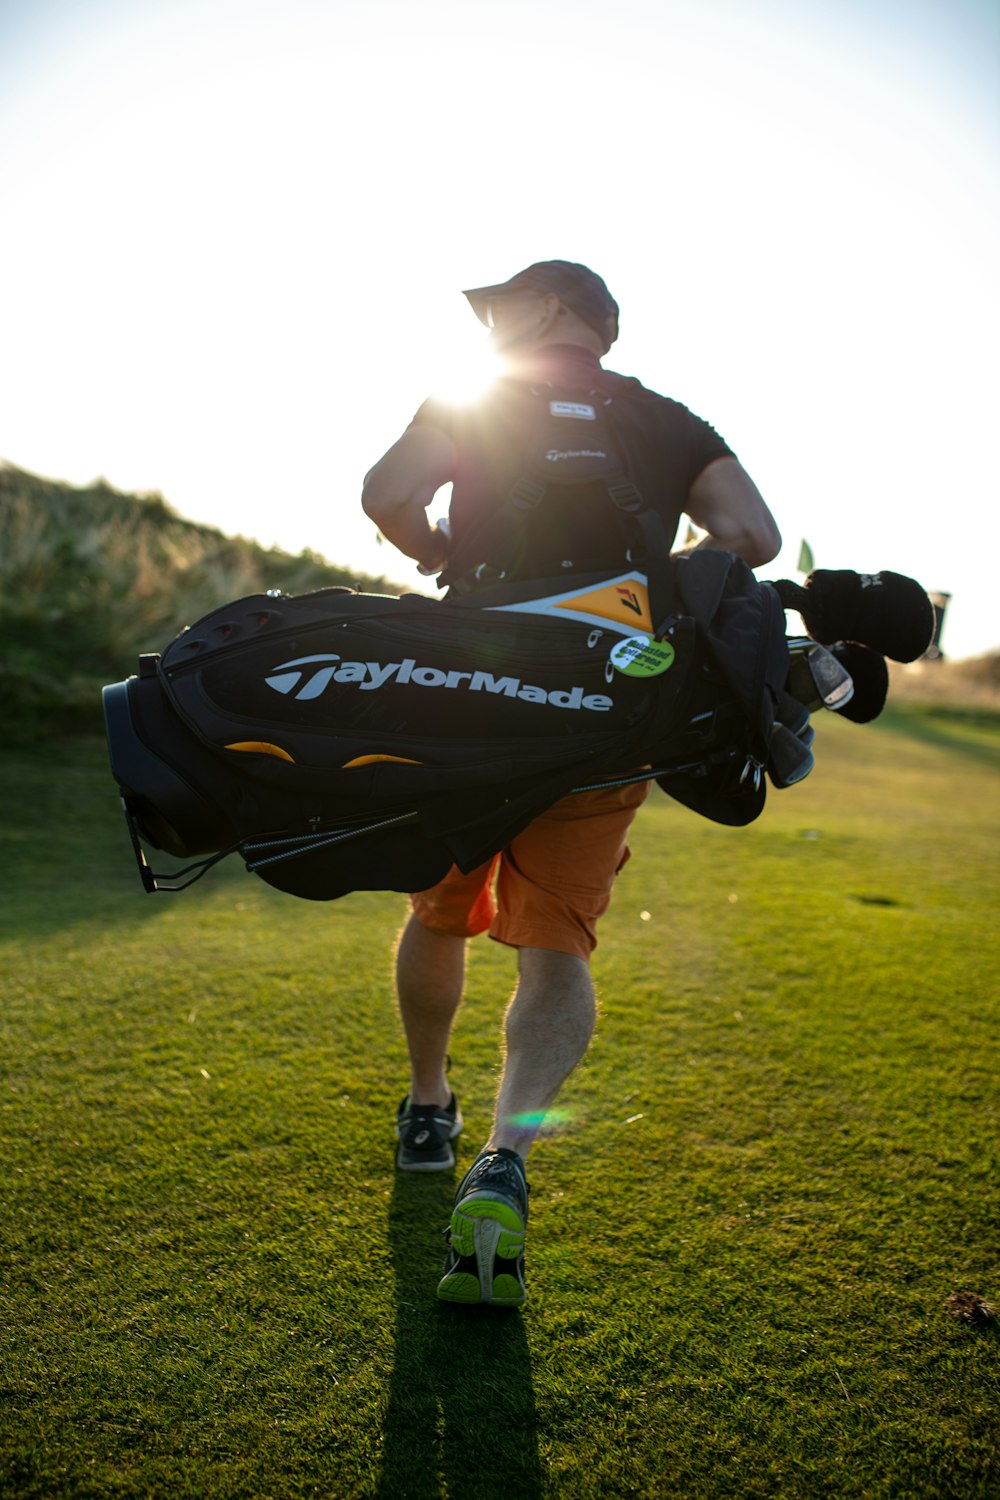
[[464, 372]]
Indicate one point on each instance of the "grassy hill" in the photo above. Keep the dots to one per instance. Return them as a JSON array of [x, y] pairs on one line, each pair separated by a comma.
[[89, 577]]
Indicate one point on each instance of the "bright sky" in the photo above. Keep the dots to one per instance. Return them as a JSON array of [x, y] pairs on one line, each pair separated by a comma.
[[234, 233]]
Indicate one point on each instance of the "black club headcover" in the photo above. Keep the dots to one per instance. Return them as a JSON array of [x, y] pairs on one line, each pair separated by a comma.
[[886, 611], [871, 681]]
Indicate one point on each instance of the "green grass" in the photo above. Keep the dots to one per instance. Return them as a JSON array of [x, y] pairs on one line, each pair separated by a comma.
[[776, 1164]]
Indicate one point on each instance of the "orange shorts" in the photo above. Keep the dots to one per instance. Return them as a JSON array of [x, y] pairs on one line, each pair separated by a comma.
[[553, 880]]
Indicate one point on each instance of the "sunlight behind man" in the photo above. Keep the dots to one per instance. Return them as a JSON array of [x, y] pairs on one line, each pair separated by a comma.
[[462, 371]]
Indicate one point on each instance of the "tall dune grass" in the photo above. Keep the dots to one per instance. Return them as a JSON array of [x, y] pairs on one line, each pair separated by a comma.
[[89, 577]]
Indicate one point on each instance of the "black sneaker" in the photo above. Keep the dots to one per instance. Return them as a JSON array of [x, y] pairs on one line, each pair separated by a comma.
[[486, 1236], [425, 1133]]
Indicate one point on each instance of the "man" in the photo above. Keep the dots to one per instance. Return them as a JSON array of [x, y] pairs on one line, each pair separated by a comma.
[[552, 322]]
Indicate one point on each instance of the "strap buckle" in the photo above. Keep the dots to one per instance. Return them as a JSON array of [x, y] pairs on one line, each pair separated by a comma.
[[626, 496]]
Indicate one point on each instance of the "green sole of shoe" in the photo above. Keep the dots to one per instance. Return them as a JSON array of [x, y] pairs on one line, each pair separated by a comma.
[[460, 1286], [485, 1226]]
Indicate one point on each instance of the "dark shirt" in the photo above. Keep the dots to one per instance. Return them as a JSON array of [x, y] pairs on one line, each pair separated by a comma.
[[662, 445]]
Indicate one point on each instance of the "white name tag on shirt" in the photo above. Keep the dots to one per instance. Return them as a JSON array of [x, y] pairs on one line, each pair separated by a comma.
[[573, 409]]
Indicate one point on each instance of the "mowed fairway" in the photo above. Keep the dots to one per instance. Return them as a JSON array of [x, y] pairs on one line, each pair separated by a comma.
[[775, 1167]]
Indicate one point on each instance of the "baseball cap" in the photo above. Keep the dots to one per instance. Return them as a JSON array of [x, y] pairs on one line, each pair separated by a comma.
[[577, 286]]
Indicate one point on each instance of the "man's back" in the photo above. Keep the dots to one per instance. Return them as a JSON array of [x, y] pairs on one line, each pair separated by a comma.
[[560, 314], [656, 443]]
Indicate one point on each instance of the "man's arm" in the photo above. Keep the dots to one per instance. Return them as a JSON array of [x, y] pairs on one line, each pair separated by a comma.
[[398, 490], [725, 502]]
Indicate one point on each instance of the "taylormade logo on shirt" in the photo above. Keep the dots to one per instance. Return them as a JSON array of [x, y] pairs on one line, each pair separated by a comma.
[[371, 675], [555, 454]]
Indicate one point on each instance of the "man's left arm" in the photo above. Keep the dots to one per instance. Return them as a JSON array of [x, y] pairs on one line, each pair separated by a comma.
[[725, 502]]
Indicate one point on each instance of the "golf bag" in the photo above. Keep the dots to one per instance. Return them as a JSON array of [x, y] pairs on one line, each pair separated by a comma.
[[344, 741]]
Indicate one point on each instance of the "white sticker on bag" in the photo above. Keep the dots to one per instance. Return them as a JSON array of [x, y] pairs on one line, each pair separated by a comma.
[[573, 409]]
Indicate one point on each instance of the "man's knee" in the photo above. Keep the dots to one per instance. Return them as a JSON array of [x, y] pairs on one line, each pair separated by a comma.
[[552, 964], [554, 989]]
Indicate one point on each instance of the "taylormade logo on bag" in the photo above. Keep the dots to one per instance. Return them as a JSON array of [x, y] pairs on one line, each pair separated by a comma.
[[370, 675]]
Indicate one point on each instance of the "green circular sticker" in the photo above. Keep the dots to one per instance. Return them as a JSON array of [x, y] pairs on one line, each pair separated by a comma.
[[642, 656]]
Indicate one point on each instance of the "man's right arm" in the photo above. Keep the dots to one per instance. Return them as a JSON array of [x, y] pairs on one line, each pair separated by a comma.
[[398, 490], [727, 504]]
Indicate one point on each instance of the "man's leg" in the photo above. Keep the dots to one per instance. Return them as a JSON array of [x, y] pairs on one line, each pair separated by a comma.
[[555, 882], [430, 973], [548, 1029]]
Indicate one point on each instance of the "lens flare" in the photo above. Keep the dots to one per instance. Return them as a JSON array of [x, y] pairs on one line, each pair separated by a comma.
[[543, 1121], [466, 374]]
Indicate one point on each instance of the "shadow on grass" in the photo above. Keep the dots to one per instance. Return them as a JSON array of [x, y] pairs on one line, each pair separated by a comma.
[[972, 732], [65, 854], [461, 1413], [62, 881]]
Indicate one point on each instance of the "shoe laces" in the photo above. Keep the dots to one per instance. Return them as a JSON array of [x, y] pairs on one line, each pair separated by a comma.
[[500, 1171]]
